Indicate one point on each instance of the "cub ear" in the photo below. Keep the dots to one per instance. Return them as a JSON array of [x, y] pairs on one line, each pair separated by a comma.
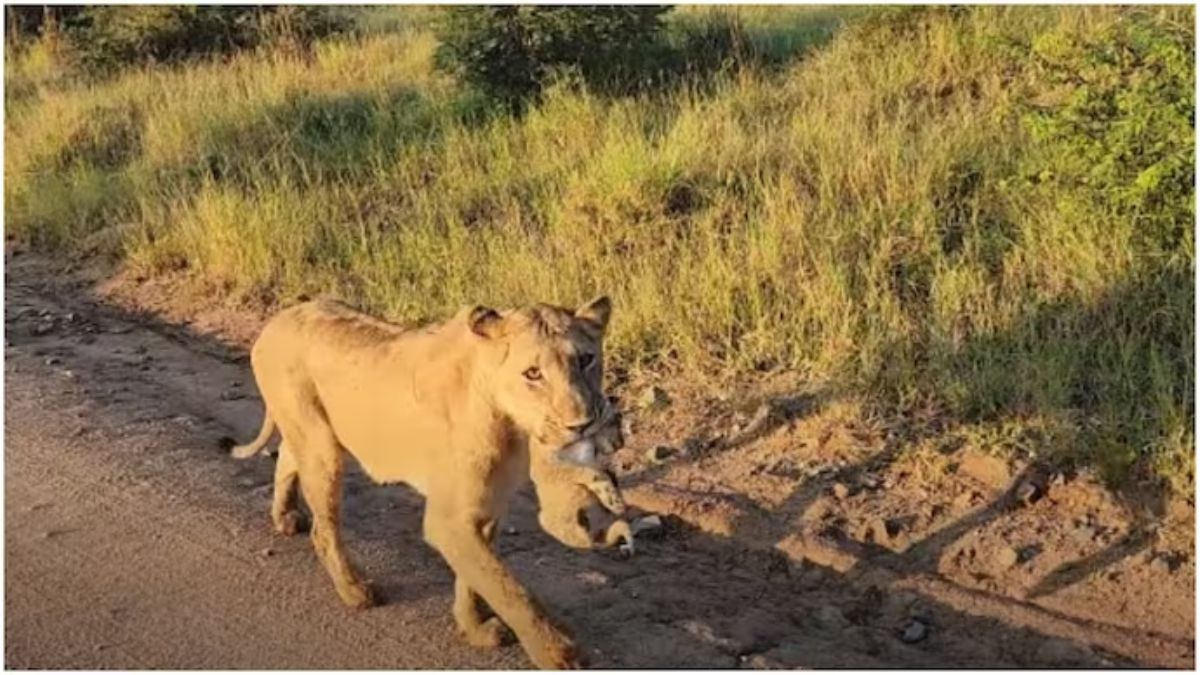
[[485, 322], [596, 312]]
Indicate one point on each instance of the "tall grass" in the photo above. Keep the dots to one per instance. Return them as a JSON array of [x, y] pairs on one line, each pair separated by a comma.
[[882, 212]]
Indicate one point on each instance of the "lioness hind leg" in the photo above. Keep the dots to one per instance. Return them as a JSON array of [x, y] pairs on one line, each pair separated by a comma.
[[320, 478], [479, 632], [285, 512]]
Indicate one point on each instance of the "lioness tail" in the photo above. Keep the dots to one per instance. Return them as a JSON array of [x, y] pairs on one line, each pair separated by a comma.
[[254, 447]]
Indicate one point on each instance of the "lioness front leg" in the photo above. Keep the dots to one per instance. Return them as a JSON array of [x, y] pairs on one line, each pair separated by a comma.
[[462, 544], [478, 631]]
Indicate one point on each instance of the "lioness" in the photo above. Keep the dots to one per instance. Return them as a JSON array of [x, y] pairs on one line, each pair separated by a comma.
[[451, 410]]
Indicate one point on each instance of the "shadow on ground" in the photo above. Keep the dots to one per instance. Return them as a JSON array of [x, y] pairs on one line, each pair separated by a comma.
[[688, 599]]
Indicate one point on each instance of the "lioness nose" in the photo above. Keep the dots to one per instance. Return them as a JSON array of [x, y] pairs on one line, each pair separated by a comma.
[[579, 426]]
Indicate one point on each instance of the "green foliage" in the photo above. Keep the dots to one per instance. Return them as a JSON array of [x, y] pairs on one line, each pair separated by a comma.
[[1119, 130], [509, 51], [108, 36]]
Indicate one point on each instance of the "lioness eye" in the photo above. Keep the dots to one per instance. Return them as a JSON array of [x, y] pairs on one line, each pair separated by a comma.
[[532, 374], [586, 361]]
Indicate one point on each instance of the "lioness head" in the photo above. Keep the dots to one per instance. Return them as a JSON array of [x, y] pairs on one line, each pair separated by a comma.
[[548, 366]]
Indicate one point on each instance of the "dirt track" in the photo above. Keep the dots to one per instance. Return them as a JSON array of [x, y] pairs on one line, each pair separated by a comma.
[[132, 541]]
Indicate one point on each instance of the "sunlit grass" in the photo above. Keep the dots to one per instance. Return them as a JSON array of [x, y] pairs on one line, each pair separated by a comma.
[[850, 214]]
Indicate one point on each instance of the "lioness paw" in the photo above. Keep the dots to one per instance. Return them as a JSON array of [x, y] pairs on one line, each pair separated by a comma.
[[358, 596], [291, 524], [487, 635]]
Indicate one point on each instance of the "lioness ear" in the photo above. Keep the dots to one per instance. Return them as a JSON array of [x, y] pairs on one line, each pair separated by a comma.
[[597, 312], [485, 321]]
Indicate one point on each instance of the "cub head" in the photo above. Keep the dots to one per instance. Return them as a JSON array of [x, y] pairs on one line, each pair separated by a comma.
[[546, 366]]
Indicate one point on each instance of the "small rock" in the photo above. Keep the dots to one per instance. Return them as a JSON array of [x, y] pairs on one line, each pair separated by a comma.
[[1161, 565], [756, 630], [1027, 553], [965, 500], [1084, 534], [646, 524], [988, 470], [1028, 493], [877, 530], [840, 491], [759, 421], [654, 398], [1007, 557], [829, 617], [53, 361], [267, 552], [659, 454], [627, 425], [761, 662], [898, 604], [1060, 652], [510, 530], [593, 578], [915, 631], [230, 395]]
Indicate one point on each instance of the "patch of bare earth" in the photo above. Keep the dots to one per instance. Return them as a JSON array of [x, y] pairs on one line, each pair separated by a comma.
[[799, 531]]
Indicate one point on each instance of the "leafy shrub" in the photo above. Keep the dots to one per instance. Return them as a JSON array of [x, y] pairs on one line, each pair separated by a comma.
[[108, 36], [1121, 133], [509, 51]]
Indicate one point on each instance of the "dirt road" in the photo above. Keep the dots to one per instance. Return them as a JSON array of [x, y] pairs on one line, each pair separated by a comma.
[[133, 541]]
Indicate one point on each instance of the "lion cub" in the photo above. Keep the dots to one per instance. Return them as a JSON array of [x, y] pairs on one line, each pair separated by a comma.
[[570, 483]]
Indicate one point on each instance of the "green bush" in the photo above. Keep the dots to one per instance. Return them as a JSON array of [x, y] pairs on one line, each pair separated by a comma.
[[109, 36], [508, 52], [1120, 132]]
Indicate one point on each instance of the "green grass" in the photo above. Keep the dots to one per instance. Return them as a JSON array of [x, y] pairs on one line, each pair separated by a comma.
[[898, 207]]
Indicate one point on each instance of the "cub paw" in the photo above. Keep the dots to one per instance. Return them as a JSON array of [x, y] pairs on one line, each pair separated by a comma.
[[607, 494]]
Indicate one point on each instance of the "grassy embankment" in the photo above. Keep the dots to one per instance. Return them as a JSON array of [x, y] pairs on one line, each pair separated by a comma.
[[970, 212]]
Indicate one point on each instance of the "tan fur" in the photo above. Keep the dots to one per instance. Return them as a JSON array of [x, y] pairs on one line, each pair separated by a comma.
[[451, 409]]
